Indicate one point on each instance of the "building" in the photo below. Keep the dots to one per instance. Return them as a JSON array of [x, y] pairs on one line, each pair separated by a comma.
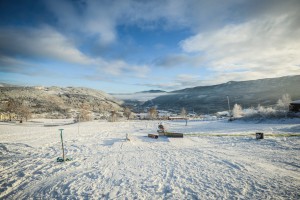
[[142, 115], [295, 106], [164, 114], [177, 118], [7, 116], [39, 87], [223, 114]]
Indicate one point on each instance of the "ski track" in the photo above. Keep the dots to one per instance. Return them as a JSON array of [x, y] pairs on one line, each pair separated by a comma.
[[106, 166]]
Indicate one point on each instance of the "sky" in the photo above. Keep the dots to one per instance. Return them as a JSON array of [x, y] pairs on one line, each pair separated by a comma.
[[123, 46]]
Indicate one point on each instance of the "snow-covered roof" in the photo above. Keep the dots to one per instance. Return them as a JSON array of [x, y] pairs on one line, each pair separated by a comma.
[[223, 113]]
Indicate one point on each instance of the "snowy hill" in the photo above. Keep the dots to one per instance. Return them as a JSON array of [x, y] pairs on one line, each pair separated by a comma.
[[209, 99], [7, 85], [48, 100]]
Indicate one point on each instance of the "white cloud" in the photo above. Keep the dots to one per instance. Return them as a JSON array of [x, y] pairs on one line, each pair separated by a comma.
[[101, 18], [179, 60], [266, 47], [11, 65], [181, 81], [44, 42], [47, 43], [121, 68], [92, 18]]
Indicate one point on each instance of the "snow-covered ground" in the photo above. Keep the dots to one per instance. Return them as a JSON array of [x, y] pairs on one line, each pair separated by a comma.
[[106, 166]]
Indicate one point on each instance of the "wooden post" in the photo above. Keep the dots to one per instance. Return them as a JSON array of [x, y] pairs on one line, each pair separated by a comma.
[[127, 137], [259, 136], [153, 136], [174, 135]]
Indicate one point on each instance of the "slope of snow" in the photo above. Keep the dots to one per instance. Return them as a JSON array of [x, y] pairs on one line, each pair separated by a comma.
[[105, 166]]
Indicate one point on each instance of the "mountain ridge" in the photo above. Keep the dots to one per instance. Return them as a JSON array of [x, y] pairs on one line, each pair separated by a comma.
[[208, 99], [152, 91]]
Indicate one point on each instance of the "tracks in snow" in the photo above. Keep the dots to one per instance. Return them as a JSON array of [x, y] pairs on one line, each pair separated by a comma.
[[107, 167]]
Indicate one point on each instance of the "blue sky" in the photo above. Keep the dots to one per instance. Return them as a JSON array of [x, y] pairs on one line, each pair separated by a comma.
[[134, 45]]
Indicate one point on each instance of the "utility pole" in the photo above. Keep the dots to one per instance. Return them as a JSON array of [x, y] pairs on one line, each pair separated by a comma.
[[229, 110]]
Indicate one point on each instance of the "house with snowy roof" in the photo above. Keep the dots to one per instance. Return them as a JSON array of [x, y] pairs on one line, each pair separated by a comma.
[[295, 106]]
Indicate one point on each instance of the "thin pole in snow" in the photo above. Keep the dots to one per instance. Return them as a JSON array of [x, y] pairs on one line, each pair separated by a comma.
[[78, 122], [78, 116], [229, 110], [62, 143]]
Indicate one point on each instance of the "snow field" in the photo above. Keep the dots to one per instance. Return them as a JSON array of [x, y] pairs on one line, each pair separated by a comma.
[[106, 166]]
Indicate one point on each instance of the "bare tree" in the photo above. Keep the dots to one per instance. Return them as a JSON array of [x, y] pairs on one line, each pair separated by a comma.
[[85, 112], [237, 111], [127, 112], [152, 113], [24, 112], [11, 107], [113, 116], [183, 114], [284, 103]]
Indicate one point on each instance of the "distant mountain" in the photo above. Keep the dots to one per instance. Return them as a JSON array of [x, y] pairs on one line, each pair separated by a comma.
[[47, 100], [153, 91], [7, 85], [138, 97], [210, 99]]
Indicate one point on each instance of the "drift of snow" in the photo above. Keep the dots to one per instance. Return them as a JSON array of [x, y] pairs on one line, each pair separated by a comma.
[[106, 166]]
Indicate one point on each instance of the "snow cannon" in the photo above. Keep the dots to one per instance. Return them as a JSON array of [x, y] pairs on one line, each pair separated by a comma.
[[259, 136], [62, 159]]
